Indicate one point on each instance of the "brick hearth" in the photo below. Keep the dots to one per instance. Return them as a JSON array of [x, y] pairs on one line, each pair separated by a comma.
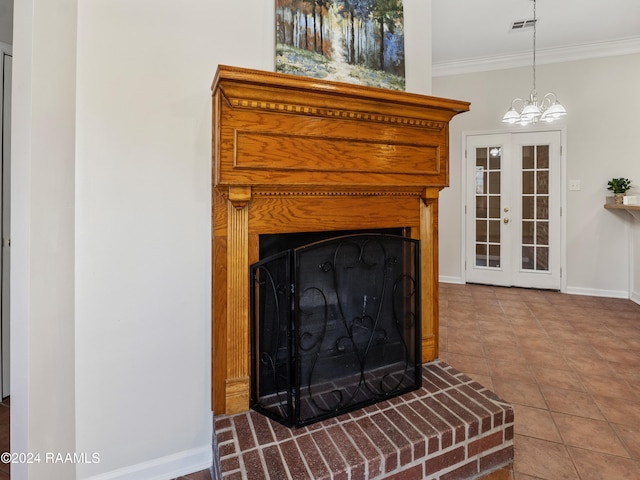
[[452, 428]]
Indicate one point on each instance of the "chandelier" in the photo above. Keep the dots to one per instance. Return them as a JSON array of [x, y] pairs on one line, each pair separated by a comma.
[[532, 109]]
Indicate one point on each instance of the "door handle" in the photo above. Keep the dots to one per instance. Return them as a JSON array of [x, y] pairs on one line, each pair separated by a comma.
[[505, 220]]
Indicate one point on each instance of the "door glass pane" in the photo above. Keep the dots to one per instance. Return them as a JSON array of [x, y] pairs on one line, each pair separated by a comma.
[[494, 256], [528, 182], [495, 155], [542, 233], [527, 158], [543, 157], [527, 232], [494, 207], [494, 182], [481, 207], [527, 207], [542, 212], [488, 172], [542, 258], [481, 231], [494, 231], [481, 158], [535, 207], [527, 258], [481, 255], [542, 182]]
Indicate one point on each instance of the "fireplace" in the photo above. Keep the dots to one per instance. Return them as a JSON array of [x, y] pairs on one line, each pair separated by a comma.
[[293, 155], [335, 326]]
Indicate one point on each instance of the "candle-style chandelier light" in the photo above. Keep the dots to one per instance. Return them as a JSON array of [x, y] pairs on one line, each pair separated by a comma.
[[532, 110]]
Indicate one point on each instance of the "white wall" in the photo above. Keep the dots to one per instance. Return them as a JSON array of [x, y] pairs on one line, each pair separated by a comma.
[[143, 229], [635, 256], [6, 21], [111, 253], [602, 99], [417, 24], [42, 213]]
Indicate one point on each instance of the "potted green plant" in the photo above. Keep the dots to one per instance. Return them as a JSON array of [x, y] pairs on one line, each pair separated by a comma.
[[619, 187]]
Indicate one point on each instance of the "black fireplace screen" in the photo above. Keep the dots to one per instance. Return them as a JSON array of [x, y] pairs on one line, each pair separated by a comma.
[[335, 326]]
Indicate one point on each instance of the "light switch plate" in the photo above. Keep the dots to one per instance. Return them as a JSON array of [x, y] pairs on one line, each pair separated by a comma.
[[574, 185]]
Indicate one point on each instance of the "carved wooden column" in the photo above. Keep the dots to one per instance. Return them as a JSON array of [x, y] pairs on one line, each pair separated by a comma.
[[429, 256], [296, 154], [237, 342]]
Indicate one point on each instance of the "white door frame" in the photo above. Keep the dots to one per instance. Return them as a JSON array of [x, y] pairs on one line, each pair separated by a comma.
[[5, 203], [563, 192]]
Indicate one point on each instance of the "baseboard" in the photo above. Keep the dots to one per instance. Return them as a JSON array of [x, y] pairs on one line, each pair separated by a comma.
[[592, 292], [456, 280], [171, 466]]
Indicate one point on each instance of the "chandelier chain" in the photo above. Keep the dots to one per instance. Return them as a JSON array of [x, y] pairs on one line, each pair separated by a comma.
[[533, 109], [535, 26]]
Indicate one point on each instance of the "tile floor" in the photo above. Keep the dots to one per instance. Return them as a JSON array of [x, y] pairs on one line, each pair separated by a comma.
[[568, 364]]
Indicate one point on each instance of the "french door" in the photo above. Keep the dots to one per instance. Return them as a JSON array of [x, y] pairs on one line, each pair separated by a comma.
[[513, 214]]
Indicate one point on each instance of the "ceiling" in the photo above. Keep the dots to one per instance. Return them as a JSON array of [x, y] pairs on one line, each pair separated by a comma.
[[475, 35]]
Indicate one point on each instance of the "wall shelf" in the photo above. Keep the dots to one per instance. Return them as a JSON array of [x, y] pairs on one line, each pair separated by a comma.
[[634, 210]]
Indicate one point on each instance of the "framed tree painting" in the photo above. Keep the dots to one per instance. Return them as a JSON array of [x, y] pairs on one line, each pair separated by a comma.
[[353, 41]]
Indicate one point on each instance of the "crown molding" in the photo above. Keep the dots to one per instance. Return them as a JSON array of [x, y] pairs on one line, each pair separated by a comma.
[[569, 53]]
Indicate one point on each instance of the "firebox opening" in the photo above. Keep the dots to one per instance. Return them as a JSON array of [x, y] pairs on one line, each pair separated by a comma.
[[335, 323], [274, 243]]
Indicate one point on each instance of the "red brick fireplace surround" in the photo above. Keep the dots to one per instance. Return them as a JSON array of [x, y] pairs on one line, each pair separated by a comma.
[[295, 154]]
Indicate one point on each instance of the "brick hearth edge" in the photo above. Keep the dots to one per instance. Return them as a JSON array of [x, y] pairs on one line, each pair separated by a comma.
[[452, 428]]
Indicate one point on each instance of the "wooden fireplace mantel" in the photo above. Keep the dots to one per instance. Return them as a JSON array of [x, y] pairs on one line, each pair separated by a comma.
[[296, 154]]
